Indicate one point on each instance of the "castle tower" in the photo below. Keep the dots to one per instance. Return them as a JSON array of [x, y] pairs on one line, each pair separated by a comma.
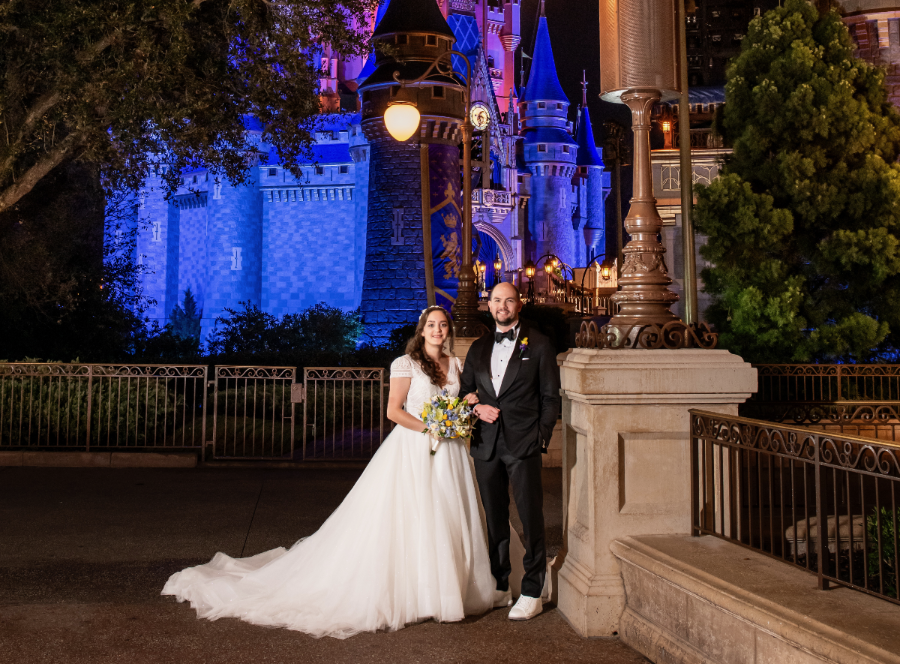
[[591, 186], [233, 248], [549, 153], [398, 272]]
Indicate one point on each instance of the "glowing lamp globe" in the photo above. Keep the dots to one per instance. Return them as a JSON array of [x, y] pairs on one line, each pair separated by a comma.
[[402, 120], [604, 272], [498, 263]]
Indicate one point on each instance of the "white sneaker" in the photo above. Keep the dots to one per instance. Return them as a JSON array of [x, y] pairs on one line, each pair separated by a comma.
[[526, 608], [502, 599]]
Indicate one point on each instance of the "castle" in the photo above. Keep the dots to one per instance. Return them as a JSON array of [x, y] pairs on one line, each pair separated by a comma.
[[350, 231]]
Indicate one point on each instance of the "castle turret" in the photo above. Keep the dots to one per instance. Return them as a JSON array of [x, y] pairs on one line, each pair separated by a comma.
[[549, 155], [395, 289], [591, 186]]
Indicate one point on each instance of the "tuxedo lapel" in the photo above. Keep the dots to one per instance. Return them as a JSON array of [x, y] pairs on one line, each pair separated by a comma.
[[515, 361], [484, 366]]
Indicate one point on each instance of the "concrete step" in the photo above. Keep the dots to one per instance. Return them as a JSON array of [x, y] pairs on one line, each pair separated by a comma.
[[699, 600], [51, 459]]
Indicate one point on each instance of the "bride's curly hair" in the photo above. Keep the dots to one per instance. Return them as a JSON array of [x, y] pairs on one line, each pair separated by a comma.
[[416, 347]]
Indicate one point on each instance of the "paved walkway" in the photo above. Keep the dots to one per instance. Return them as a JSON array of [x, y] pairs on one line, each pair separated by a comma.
[[84, 553]]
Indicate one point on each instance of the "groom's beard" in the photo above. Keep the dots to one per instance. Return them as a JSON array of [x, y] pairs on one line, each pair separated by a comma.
[[506, 318]]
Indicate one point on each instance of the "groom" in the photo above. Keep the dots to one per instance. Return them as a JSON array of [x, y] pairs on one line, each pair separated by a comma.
[[515, 374]]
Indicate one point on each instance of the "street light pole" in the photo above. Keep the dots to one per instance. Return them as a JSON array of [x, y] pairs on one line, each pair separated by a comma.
[[691, 313]]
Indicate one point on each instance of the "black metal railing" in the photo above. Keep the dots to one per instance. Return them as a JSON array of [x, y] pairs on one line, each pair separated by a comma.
[[850, 399], [770, 487]]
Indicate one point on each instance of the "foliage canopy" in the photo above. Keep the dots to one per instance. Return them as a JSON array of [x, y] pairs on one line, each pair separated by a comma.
[[803, 222], [115, 82]]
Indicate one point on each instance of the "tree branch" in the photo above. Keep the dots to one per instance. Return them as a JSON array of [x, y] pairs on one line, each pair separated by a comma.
[[65, 148], [49, 99]]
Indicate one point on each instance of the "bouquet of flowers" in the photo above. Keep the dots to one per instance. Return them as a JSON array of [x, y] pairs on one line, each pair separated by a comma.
[[447, 417]]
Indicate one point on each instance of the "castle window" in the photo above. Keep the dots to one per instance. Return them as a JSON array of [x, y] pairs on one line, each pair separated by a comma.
[[320, 170], [437, 91], [402, 39], [566, 149], [542, 147], [345, 169], [490, 61], [559, 107], [430, 40], [541, 104], [273, 172], [195, 179]]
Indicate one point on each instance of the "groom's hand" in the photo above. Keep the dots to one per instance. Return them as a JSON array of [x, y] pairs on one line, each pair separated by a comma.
[[486, 413]]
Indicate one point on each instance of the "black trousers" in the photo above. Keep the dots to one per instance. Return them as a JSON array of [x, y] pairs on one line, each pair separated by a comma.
[[494, 477]]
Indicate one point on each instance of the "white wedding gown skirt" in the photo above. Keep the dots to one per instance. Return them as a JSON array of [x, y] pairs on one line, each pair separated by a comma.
[[407, 544]]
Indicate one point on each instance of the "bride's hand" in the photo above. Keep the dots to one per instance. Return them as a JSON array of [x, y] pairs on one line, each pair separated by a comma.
[[471, 398]]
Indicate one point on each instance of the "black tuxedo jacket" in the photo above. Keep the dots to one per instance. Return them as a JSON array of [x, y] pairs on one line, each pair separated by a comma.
[[528, 398]]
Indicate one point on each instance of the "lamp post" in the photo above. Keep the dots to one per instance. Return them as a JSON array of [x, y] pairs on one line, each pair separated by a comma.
[[529, 272], [498, 265]]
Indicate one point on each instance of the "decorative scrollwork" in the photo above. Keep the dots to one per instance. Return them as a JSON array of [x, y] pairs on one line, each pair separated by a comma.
[[283, 373], [52, 369], [340, 373], [43, 369], [670, 336], [470, 329], [836, 451]]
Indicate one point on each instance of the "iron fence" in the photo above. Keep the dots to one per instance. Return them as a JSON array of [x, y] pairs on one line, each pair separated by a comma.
[[90, 406], [343, 412], [851, 399], [254, 412], [826, 503]]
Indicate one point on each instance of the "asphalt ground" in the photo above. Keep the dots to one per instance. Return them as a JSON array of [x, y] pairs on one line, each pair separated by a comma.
[[84, 553]]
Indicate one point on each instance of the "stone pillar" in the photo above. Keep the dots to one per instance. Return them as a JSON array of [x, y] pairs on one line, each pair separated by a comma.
[[626, 460]]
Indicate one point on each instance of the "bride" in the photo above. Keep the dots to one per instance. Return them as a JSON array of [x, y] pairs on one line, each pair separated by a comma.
[[406, 545]]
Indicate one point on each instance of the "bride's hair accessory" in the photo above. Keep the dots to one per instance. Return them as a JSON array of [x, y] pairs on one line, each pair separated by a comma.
[[416, 346]]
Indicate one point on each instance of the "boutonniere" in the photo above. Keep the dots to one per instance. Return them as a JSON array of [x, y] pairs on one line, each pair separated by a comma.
[[523, 346]]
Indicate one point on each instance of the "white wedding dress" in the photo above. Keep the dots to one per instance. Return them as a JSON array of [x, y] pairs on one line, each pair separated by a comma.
[[407, 544]]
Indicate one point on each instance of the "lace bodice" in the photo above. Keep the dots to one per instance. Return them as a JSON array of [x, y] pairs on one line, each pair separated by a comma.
[[421, 389]]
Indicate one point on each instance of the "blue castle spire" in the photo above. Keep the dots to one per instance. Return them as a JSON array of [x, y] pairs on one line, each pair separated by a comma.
[[543, 83], [549, 153], [592, 184], [584, 136]]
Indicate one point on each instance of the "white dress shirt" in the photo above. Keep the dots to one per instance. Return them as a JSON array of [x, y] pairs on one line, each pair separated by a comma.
[[500, 357]]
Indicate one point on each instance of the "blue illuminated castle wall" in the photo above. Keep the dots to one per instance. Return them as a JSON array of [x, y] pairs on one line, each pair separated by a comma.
[[284, 243]]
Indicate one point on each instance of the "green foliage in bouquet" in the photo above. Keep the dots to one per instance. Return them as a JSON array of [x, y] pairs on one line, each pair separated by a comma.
[[803, 224]]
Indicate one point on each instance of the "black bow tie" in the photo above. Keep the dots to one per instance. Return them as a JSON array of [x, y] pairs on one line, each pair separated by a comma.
[[500, 336]]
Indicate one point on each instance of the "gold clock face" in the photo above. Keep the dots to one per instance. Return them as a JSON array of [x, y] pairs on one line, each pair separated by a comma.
[[480, 117]]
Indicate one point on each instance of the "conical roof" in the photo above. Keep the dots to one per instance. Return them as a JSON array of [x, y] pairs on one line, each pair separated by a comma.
[[587, 148], [543, 82], [413, 16]]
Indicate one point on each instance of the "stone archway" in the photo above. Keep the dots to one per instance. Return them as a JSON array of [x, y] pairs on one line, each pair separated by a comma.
[[509, 254]]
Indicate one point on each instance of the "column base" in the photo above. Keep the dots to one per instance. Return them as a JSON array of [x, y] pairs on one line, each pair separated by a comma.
[[592, 603]]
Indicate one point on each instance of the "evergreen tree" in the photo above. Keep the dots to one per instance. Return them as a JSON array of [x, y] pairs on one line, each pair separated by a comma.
[[185, 321], [803, 223]]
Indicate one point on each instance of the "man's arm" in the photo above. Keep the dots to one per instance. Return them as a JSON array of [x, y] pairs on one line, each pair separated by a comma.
[[548, 373], [467, 382]]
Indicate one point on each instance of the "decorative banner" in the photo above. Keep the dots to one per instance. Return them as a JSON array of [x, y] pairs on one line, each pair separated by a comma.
[[444, 212], [442, 227]]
